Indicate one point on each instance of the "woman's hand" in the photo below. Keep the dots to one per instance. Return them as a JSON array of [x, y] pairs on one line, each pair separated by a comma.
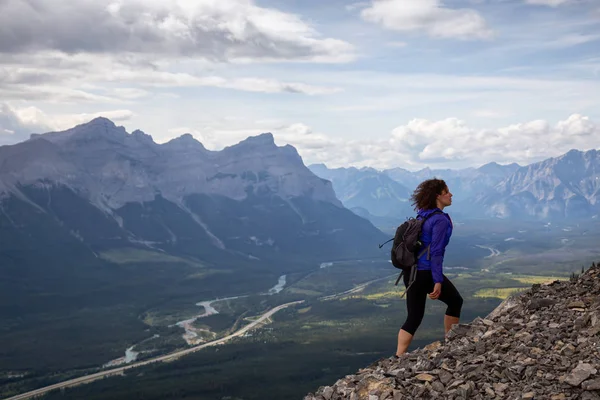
[[437, 290]]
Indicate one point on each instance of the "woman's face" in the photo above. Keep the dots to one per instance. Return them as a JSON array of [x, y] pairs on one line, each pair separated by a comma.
[[445, 198]]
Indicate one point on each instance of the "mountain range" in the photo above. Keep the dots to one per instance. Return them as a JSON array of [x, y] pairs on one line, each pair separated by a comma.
[[176, 196], [557, 188], [68, 198]]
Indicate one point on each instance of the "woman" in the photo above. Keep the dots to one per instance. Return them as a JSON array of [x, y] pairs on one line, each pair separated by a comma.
[[429, 199]]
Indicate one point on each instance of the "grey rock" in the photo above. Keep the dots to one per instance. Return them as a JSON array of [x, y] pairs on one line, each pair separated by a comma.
[[592, 384], [540, 303], [580, 374], [590, 396], [327, 392]]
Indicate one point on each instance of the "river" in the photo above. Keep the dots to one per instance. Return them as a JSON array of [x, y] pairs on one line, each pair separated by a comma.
[[279, 287], [191, 333]]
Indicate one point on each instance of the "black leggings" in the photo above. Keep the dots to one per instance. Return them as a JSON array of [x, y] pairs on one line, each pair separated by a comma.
[[416, 298]]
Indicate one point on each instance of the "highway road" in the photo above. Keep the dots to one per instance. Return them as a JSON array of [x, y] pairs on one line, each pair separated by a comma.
[[167, 357], [355, 289]]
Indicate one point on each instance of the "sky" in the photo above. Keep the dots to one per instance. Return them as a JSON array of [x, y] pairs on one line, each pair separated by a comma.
[[378, 83]]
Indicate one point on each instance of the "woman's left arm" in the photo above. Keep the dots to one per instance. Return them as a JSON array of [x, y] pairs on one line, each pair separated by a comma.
[[438, 248]]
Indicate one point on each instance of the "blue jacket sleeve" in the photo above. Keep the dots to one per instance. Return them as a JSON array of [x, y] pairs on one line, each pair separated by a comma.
[[438, 248]]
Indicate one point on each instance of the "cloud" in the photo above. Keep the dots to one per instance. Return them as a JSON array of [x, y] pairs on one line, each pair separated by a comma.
[[130, 93], [233, 30], [571, 40], [16, 128], [17, 124], [550, 3], [453, 141], [119, 52], [485, 113], [429, 16], [220, 133], [168, 79], [58, 77], [357, 5], [447, 143]]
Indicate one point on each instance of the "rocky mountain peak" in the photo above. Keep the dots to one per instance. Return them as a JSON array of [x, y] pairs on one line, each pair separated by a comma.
[[542, 344], [262, 140], [101, 121], [185, 141], [98, 128], [292, 152], [495, 169], [491, 167], [572, 153], [142, 137]]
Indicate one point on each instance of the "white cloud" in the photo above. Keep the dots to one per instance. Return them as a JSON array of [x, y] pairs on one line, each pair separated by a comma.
[[17, 124], [153, 78], [453, 141], [219, 133], [429, 16], [225, 30], [447, 143], [119, 52], [53, 76], [15, 128], [550, 3]]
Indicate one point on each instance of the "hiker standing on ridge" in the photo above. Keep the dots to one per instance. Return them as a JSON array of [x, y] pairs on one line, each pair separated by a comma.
[[429, 199]]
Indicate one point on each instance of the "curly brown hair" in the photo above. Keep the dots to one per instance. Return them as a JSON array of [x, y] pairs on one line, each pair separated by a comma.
[[425, 195]]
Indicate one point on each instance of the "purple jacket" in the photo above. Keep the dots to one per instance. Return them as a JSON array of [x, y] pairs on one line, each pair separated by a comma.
[[436, 231]]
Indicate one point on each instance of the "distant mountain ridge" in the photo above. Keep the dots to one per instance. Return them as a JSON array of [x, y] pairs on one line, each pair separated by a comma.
[[565, 186], [359, 187], [96, 187], [115, 167], [561, 187]]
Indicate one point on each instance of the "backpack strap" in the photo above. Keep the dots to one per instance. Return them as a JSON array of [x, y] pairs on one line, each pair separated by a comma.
[[413, 269], [429, 245], [383, 244], [423, 252], [412, 278]]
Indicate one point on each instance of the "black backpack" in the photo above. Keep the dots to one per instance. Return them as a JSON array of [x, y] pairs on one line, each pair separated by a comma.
[[406, 247]]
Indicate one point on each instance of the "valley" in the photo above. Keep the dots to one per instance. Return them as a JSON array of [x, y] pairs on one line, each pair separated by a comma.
[[350, 315]]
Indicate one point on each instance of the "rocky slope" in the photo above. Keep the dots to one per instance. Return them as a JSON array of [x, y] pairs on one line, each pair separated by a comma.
[[542, 344]]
